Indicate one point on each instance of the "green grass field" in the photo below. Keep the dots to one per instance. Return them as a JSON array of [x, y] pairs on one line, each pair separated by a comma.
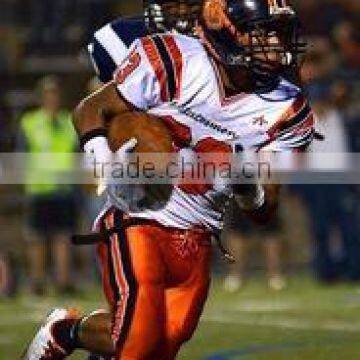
[[305, 321]]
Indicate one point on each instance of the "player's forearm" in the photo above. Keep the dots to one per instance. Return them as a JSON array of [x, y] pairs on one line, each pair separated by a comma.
[[90, 114]]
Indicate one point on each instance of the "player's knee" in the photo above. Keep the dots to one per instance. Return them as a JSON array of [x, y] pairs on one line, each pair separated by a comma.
[[147, 348], [182, 333]]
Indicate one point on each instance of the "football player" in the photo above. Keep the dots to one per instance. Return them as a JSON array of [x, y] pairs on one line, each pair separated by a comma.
[[212, 91]]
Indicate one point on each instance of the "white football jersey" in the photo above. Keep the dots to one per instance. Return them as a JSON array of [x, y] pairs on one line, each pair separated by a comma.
[[172, 76]]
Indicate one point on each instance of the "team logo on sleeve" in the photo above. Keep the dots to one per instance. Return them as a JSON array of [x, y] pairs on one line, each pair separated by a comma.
[[127, 67]]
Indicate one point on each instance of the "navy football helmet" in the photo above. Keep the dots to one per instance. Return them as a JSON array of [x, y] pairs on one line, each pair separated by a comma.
[[169, 15], [251, 33]]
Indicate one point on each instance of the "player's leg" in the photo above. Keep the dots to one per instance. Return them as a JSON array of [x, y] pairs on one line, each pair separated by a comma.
[[184, 308], [62, 215], [37, 260], [270, 234], [185, 300], [238, 245], [62, 261], [36, 236], [134, 328], [133, 278], [272, 250], [237, 234], [145, 337]]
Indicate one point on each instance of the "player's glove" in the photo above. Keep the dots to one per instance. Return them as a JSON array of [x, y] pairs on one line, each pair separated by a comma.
[[99, 148], [249, 197], [264, 204]]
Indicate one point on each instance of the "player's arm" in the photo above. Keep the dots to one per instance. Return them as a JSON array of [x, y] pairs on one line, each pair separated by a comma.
[[292, 133], [140, 83], [131, 89], [90, 118], [91, 113]]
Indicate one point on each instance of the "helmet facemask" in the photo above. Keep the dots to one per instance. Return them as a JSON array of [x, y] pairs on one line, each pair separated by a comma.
[[266, 46]]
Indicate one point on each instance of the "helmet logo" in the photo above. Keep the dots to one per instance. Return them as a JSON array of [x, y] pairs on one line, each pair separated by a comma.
[[214, 14]]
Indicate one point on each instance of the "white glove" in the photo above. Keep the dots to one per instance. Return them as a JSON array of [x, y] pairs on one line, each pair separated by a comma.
[[120, 156], [99, 148]]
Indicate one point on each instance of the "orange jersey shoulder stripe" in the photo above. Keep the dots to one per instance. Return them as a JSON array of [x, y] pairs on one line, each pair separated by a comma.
[[292, 111], [157, 64], [177, 61]]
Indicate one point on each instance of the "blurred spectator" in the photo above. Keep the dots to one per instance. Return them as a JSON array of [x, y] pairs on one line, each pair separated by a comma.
[[10, 48], [8, 276], [56, 24], [239, 232], [331, 12], [91, 209], [331, 206], [332, 80], [347, 39], [93, 14], [51, 207], [93, 202], [48, 18], [320, 62], [352, 8]]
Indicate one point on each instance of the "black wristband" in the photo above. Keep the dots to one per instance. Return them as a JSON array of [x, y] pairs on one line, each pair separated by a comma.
[[90, 135]]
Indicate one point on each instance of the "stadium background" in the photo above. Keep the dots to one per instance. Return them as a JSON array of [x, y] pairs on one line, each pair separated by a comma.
[[309, 319]]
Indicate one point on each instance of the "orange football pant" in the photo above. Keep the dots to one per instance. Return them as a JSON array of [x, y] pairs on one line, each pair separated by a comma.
[[156, 280]]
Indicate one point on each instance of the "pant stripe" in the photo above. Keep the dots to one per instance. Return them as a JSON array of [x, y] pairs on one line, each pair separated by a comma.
[[121, 279], [126, 317], [111, 273]]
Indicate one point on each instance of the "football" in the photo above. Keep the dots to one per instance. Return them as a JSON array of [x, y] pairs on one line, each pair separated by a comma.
[[151, 133], [155, 145]]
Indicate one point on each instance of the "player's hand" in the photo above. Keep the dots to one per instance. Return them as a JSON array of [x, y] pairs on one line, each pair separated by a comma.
[[98, 148], [268, 210], [119, 156]]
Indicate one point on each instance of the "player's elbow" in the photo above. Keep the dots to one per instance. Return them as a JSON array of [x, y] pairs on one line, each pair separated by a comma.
[[78, 115], [93, 111], [87, 116]]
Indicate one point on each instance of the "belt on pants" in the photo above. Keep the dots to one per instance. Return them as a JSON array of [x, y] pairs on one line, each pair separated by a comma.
[[103, 236]]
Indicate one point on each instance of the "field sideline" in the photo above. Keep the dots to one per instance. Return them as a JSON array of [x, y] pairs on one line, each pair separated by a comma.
[[306, 321]]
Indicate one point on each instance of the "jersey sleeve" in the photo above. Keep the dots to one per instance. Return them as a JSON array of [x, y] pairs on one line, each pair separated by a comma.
[[295, 129], [151, 74], [109, 46]]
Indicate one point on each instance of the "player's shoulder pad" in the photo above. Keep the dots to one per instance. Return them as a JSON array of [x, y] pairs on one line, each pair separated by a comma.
[[173, 57], [295, 127], [108, 46]]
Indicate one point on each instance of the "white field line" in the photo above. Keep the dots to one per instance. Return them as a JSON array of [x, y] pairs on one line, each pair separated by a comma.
[[228, 318], [278, 306], [265, 306], [284, 323]]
